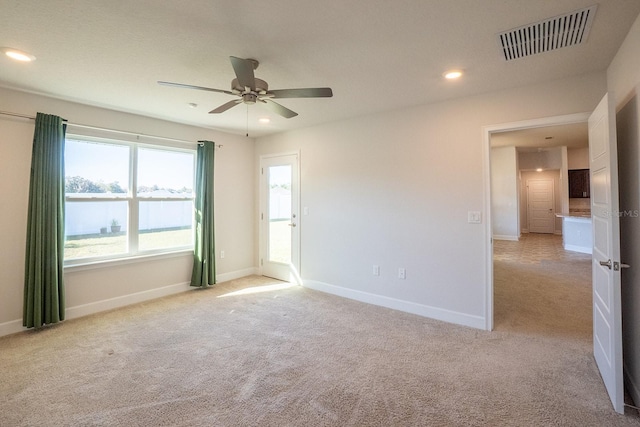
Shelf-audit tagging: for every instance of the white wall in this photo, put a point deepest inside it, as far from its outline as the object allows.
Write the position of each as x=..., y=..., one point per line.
x=90, y=290
x=546, y=159
x=504, y=193
x=578, y=158
x=394, y=189
x=623, y=79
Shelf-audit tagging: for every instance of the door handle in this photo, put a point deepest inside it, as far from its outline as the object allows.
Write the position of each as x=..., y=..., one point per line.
x=616, y=265
x=606, y=264
x=293, y=224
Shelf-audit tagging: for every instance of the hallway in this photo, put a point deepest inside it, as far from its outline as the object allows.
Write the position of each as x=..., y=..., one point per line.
x=541, y=288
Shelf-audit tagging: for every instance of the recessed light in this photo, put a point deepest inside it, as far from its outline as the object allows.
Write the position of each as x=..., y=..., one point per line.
x=539, y=170
x=193, y=105
x=452, y=74
x=17, y=55
x=264, y=120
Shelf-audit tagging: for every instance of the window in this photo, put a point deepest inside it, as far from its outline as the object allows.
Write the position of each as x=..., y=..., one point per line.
x=126, y=199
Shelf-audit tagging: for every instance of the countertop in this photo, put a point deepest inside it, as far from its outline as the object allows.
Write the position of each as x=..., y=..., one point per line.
x=576, y=215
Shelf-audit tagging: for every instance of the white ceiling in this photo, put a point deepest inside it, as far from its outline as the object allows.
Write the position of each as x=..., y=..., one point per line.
x=574, y=135
x=376, y=55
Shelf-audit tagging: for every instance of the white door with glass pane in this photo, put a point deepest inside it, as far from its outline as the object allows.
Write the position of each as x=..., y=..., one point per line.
x=279, y=218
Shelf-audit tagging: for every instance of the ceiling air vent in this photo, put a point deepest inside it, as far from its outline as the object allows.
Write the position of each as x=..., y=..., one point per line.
x=551, y=34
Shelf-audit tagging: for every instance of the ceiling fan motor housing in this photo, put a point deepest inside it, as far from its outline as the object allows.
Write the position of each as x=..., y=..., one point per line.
x=249, y=98
x=261, y=86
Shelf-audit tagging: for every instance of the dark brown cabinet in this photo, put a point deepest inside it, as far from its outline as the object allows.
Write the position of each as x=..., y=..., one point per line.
x=579, y=183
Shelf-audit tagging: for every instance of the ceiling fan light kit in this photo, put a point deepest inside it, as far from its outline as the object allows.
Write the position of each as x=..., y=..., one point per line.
x=252, y=90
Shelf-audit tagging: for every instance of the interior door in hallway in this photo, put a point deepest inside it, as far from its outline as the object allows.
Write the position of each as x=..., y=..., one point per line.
x=607, y=305
x=279, y=222
x=540, y=206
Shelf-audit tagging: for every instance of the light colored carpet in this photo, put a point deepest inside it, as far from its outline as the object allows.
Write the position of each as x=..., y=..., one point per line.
x=297, y=357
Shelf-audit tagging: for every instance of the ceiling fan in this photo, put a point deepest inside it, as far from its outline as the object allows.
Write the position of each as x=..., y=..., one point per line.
x=252, y=90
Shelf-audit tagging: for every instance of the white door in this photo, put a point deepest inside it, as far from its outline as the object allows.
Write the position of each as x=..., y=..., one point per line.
x=541, y=201
x=607, y=310
x=279, y=225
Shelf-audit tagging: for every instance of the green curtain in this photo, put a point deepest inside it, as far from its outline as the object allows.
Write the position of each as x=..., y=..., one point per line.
x=43, y=278
x=204, y=260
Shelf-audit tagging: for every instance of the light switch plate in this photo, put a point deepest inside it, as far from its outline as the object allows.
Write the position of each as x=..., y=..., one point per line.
x=474, y=217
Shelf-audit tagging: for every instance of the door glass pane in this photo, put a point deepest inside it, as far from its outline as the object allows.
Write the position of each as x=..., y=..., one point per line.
x=280, y=214
x=165, y=224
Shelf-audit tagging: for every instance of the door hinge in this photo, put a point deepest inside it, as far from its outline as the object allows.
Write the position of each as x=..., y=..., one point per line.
x=261, y=262
x=261, y=215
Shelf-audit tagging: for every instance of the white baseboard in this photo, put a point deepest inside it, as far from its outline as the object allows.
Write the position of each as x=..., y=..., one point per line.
x=14, y=326
x=124, y=300
x=505, y=237
x=401, y=305
x=11, y=327
x=380, y=300
x=225, y=277
x=631, y=386
x=582, y=249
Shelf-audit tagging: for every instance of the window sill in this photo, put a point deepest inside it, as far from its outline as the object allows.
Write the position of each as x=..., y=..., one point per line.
x=92, y=265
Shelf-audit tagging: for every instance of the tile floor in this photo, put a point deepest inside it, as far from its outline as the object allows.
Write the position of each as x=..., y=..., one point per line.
x=533, y=248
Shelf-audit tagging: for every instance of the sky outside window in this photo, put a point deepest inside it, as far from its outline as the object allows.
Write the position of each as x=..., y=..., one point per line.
x=165, y=170
x=109, y=163
x=98, y=163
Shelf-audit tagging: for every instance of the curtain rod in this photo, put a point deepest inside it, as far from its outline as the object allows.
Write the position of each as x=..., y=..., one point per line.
x=25, y=116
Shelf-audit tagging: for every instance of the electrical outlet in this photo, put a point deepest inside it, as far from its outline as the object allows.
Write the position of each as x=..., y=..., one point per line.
x=376, y=270
x=402, y=273
x=221, y=254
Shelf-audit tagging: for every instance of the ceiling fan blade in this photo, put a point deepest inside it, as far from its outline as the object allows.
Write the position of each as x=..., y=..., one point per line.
x=279, y=109
x=312, y=92
x=194, y=87
x=225, y=107
x=244, y=71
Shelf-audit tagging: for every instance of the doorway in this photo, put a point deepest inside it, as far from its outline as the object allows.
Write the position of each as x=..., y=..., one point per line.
x=279, y=218
x=488, y=132
x=602, y=160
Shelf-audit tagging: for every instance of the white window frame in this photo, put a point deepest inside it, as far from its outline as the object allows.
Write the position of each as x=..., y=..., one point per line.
x=133, y=200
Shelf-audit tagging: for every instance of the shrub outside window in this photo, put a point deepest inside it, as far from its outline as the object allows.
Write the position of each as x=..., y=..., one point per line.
x=126, y=199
